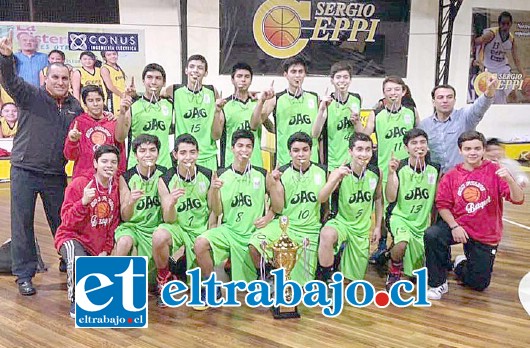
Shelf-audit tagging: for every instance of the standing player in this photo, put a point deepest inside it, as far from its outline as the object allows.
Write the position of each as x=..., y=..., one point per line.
x=114, y=78
x=237, y=115
x=198, y=110
x=90, y=214
x=149, y=114
x=470, y=202
x=238, y=193
x=412, y=185
x=88, y=74
x=294, y=110
x=356, y=189
x=338, y=117
x=184, y=197
x=140, y=203
x=390, y=124
x=299, y=183
x=55, y=56
x=90, y=130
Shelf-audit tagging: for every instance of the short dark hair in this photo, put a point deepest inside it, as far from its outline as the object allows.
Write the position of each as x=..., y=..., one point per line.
x=59, y=52
x=505, y=14
x=358, y=136
x=394, y=79
x=199, y=57
x=145, y=139
x=340, y=66
x=493, y=142
x=289, y=62
x=433, y=92
x=242, y=134
x=6, y=104
x=301, y=137
x=242, y=66
x=87, y=53
x=91, y=88
x=105, y=52
x=414, y=133
x=154, y=67
x=186, y=138
x=471, y=135
x=106, y=148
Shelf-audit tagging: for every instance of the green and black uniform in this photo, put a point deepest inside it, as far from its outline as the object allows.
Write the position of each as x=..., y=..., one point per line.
x=303, y=210
x=294, y=114
x=237, y=116
x=154, y=119
x=243, y=202
x=353, y=200
x=194, y=114
x=192, y=210
x=147, y=213
x=412, y=214
x=338, y=130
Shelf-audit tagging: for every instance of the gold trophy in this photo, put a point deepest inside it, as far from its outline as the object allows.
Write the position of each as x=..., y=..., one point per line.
x=285, y=254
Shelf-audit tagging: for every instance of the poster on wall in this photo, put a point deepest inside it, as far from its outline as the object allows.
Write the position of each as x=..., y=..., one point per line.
x=500, y=45
x=74, y=40
x=372, y=36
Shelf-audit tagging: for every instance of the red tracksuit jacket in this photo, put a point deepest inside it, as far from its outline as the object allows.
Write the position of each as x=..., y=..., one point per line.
x=93, y=134
x=92, y=225
x=475, y=198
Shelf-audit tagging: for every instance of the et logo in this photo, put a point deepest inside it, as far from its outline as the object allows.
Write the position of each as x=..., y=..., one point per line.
x=111, y=292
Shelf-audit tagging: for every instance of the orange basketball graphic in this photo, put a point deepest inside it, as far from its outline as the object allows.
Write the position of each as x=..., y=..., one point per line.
x=282, y=27
x=481, y=82
x=471, y=194
x=102, y=210
x=98, y=138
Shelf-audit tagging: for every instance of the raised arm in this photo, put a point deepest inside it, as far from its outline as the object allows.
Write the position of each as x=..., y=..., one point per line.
x=168, y=199
x=392, y=184
x=333, y=182
x=322, y=115
x=218, y=117
x=123, y=124
x=264, y=107
x=276, y=191
x=214, y=195
x=128, y=199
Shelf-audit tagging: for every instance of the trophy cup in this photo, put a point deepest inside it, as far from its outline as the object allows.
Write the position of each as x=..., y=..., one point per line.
x=285, y=254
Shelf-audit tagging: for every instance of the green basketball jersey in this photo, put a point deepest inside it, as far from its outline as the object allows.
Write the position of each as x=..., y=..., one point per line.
x=390, y=127
x=194, y=113
x=147, y=211
x=338, y=129
x=242, y=197
x=291, y=115
x=353, y=200
x=192, y=208
x=416, y=196
x=154, y=119
x=237, y=116
x=301, y=192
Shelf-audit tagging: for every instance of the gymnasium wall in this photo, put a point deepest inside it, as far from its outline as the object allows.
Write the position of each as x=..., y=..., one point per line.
x=160, y=21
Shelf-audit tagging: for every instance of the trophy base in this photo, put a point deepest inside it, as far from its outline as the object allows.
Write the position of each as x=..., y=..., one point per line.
x=282, y=312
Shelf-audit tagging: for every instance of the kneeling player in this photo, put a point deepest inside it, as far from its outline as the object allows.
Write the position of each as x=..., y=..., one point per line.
x=140, y=203
x=356, y=189
x=90, y=214
x=238, y=193
x=412, y=185
x=298, y=184
x=184, y=197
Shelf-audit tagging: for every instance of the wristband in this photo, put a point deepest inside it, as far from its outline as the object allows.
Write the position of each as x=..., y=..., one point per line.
x=452, y=228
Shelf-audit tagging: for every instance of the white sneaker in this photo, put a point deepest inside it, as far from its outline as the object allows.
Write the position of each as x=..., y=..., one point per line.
x=437, y=292
x=459, y=259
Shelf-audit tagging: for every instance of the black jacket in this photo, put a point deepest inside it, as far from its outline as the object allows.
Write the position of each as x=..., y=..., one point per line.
x=42, y=124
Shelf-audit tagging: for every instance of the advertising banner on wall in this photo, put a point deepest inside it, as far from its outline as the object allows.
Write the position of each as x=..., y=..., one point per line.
x=373, y=36
x=500, y=45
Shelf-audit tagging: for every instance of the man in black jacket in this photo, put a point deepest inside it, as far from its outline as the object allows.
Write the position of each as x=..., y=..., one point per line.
x=37, y=161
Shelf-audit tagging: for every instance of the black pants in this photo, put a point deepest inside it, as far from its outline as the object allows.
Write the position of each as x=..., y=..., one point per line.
x=475, y=272
x=69, y=250
x=25, y=185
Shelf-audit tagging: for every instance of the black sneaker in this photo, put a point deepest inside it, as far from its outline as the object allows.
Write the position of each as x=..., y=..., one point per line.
x=203, y=299
x=62, y=265
x=72, y=310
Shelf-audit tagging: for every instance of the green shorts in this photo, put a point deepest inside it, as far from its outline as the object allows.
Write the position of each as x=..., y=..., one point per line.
x=414, y=257
x=226, y=242
x=179, y=238
x=306, y=266
x=210, y=163
x=354, y=260
x=142, y=240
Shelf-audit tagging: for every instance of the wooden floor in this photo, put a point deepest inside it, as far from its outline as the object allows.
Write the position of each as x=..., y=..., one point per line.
x=464, y=318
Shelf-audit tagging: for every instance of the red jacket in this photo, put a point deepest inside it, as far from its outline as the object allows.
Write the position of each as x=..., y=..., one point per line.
x=475, y=198
x=92, y=225
x=93, y=134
